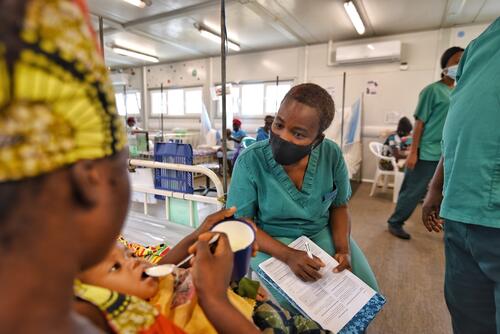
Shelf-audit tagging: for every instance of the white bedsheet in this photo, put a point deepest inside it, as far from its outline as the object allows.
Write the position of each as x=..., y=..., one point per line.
x=150, y=231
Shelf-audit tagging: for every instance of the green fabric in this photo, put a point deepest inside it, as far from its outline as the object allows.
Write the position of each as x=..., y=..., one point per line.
x=472, y=277
x=471, y=139
x=247, y=288
x=270, y=318
x=432, y=109
x=261, y=189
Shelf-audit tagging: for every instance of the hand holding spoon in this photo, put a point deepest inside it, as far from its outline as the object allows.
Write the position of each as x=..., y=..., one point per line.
x=166, y=269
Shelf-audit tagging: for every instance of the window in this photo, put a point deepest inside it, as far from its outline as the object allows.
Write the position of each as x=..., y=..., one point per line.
x=194, y=101
x=177, y=101
x=131, y=105
x=257, y=99
x=274, y=96
x=232, y=102
x=158, y=102
x=252, y=99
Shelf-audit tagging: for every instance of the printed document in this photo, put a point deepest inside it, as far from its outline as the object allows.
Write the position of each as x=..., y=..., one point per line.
x=333, y=300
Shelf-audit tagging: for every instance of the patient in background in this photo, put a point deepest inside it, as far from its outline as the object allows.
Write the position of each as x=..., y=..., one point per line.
x=173, y=295
x=397, y=144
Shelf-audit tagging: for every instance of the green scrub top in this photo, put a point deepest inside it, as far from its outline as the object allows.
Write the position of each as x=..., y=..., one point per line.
x=471, y=138
x=261, y=189
x=432, y=108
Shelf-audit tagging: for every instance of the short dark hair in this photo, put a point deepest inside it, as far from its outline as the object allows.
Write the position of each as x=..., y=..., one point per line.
x=268, y=117
x=450, y=52
x=404, y=126
x=315, y=97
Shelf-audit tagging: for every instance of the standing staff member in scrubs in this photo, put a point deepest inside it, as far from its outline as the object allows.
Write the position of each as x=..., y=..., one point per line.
x=297, y=184
x=471, y=189
x=425, y=150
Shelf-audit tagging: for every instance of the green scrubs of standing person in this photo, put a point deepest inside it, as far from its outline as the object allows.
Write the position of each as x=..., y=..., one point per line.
x=430, y=115
x=297, y=184
x=471, y=203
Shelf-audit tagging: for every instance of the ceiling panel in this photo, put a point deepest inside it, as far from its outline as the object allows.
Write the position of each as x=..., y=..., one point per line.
x=271, y=24
x=325, y=20
x=460, y=12
x=489, y=12
x=121, y=11
x=243, y=25
x=399, y=16
x=132, y=41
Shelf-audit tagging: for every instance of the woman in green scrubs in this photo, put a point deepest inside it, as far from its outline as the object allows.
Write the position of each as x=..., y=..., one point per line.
x=296, y=183
x=430, y=115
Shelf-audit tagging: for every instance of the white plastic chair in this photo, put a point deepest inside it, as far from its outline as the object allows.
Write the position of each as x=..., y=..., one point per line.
x=376, y=149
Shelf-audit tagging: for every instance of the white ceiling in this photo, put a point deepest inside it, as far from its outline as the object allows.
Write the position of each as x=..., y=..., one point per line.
x=167, y=28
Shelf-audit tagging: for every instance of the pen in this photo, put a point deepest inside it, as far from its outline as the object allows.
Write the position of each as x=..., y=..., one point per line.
x=308, y=250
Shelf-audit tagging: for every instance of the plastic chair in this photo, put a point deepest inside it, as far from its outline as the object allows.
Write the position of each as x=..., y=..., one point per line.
x=376, y=149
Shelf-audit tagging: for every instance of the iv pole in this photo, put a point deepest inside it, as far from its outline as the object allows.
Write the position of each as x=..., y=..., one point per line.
x=223, y=50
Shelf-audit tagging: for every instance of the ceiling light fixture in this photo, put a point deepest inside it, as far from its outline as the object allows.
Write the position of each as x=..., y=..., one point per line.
x=356, y=20
x=139, y=3
x=214, y=37
x=134, y=54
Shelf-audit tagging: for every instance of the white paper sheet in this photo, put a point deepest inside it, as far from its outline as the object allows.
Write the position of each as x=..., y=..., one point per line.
x=333, y=300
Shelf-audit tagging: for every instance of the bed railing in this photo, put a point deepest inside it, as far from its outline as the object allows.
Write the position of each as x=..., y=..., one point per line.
x=191, y=198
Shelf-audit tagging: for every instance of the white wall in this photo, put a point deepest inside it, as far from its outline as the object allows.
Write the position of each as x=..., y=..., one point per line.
x=397, y=94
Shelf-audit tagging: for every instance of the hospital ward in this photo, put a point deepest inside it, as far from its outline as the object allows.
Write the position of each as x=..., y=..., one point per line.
x=250, y=166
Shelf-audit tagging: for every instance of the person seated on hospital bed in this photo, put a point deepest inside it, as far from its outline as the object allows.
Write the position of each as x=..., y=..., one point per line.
x=264, y=131
x=132, y=125
x=397, y=144
x=237, y=134
x=174, y=295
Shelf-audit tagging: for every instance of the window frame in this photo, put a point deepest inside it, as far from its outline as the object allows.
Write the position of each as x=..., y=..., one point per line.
x=125, y=94
x=239, y=85
x=184, y=89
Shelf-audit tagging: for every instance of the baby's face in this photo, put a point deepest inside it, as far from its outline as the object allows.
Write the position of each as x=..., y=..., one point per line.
x=122, y=272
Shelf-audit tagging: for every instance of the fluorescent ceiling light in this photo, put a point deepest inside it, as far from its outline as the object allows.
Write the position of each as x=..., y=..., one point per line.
x=217, y=39
x=354, y=16
x=371, y=47
x=138, y=3
x=134, y=54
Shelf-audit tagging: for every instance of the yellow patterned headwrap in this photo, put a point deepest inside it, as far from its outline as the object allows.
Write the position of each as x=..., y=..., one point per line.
x=56, y=101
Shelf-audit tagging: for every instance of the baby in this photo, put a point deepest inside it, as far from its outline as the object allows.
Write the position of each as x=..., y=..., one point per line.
x=173, y=295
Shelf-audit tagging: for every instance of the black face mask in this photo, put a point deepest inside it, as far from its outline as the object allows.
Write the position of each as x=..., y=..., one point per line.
x=287, y=153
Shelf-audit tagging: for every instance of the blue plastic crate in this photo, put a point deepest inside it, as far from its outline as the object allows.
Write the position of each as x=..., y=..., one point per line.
x=170, y=179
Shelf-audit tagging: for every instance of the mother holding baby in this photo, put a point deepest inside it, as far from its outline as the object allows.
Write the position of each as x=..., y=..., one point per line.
x=296, y=183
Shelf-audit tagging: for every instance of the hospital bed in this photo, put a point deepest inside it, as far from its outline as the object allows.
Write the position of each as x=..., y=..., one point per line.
x=147, y=229
x=346, y=132
x=144, y=188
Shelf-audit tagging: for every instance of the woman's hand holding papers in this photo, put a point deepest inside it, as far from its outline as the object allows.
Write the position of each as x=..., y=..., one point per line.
x=344, y=260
